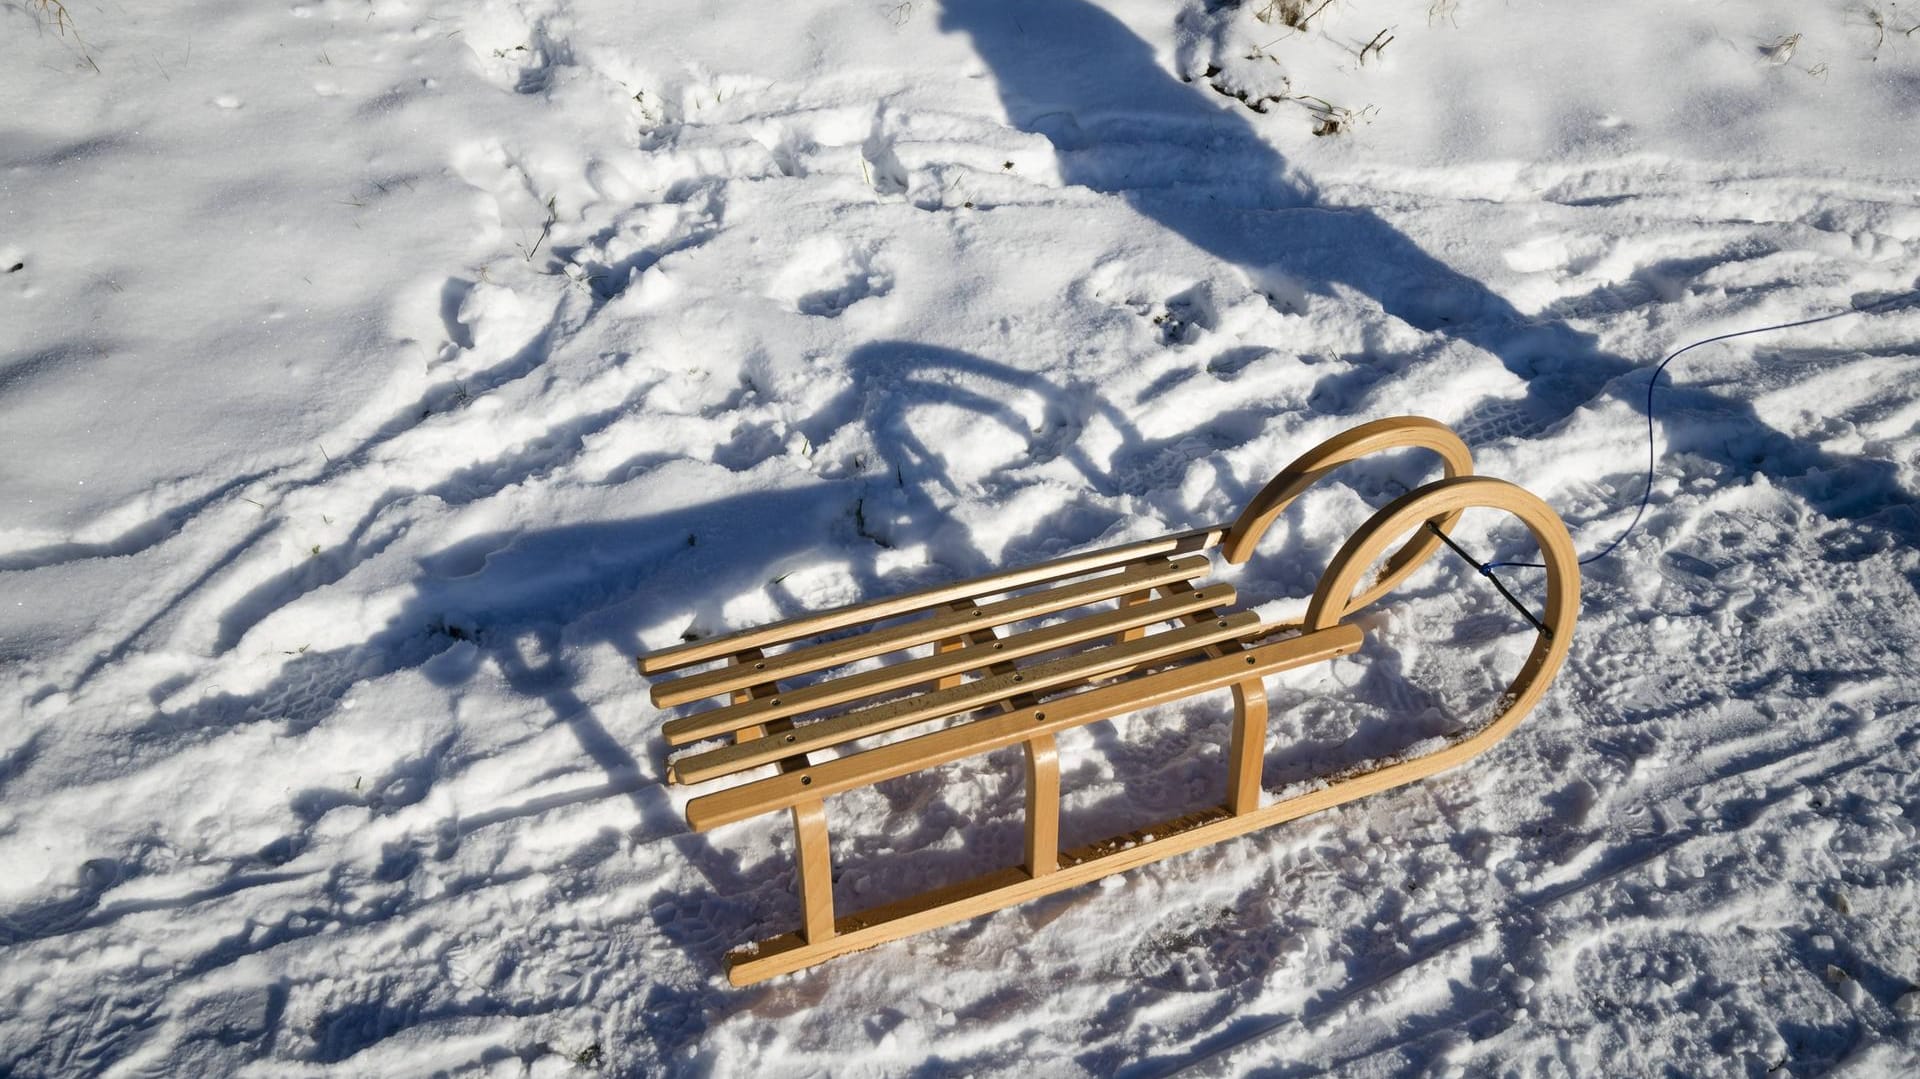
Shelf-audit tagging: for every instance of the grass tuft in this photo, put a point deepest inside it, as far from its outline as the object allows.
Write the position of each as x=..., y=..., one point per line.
x=1295, y=14
x=54, y=13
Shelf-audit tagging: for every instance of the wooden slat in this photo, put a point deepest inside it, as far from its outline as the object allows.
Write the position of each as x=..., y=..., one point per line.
x=1067, y=671
x=827, y=654
x=951, y=663
x=982, y=736
x=792, y=629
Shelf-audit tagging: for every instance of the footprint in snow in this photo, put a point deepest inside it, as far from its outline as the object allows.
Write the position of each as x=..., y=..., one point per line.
x=828, y=276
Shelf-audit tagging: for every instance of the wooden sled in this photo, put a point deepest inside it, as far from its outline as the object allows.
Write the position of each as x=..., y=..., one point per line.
x=971, y=685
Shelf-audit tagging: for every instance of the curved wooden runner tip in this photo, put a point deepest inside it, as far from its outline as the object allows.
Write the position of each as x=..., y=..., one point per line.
x=1333, y=598
x=1392, y=433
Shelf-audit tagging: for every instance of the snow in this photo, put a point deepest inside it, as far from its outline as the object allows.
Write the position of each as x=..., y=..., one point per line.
x=377, y=377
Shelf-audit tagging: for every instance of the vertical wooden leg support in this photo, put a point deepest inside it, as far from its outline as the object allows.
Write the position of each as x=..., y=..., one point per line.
x=1134, y=599
x=1247, y=751
x=954, y=644
x=1043, y=806
x=816, y=870
x=951, y=644
x=752, y=693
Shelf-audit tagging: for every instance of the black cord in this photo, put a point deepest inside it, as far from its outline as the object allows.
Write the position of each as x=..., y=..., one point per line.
x=1646, y=496
x=1487, y=572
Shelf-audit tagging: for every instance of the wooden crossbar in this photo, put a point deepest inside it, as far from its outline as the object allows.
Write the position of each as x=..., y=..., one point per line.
x=949, y=623
x=984, y=735
x=812, y=625
x=1071, y=670
x=789, y=952
x=934, y=668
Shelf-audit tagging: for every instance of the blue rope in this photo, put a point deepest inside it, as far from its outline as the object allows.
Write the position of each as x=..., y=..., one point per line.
x=1646, y=496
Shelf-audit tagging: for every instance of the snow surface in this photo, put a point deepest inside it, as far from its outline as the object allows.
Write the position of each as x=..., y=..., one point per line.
x=378, y=376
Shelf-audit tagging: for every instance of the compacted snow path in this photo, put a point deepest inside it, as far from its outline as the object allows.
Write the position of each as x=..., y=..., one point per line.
x=378, y=376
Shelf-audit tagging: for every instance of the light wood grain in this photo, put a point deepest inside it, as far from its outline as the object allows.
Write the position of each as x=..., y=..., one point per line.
x=1215, y=649
x=1075, y=669
x=949, y=675
x=951, y=663
x=751, y=727
x=1452, y=497
x=1380, y=436
x=879, y=641
x=812, y=625
x=815, y=861
x=1043, y=805
x=1246, y=747
x=1135, y=599
x=1003, y=888
x=985, y=735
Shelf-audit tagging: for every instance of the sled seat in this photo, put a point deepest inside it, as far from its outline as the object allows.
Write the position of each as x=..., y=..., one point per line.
x=794, y=712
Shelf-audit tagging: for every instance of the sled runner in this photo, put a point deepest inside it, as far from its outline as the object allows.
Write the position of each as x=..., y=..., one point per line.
x=1014, y=658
